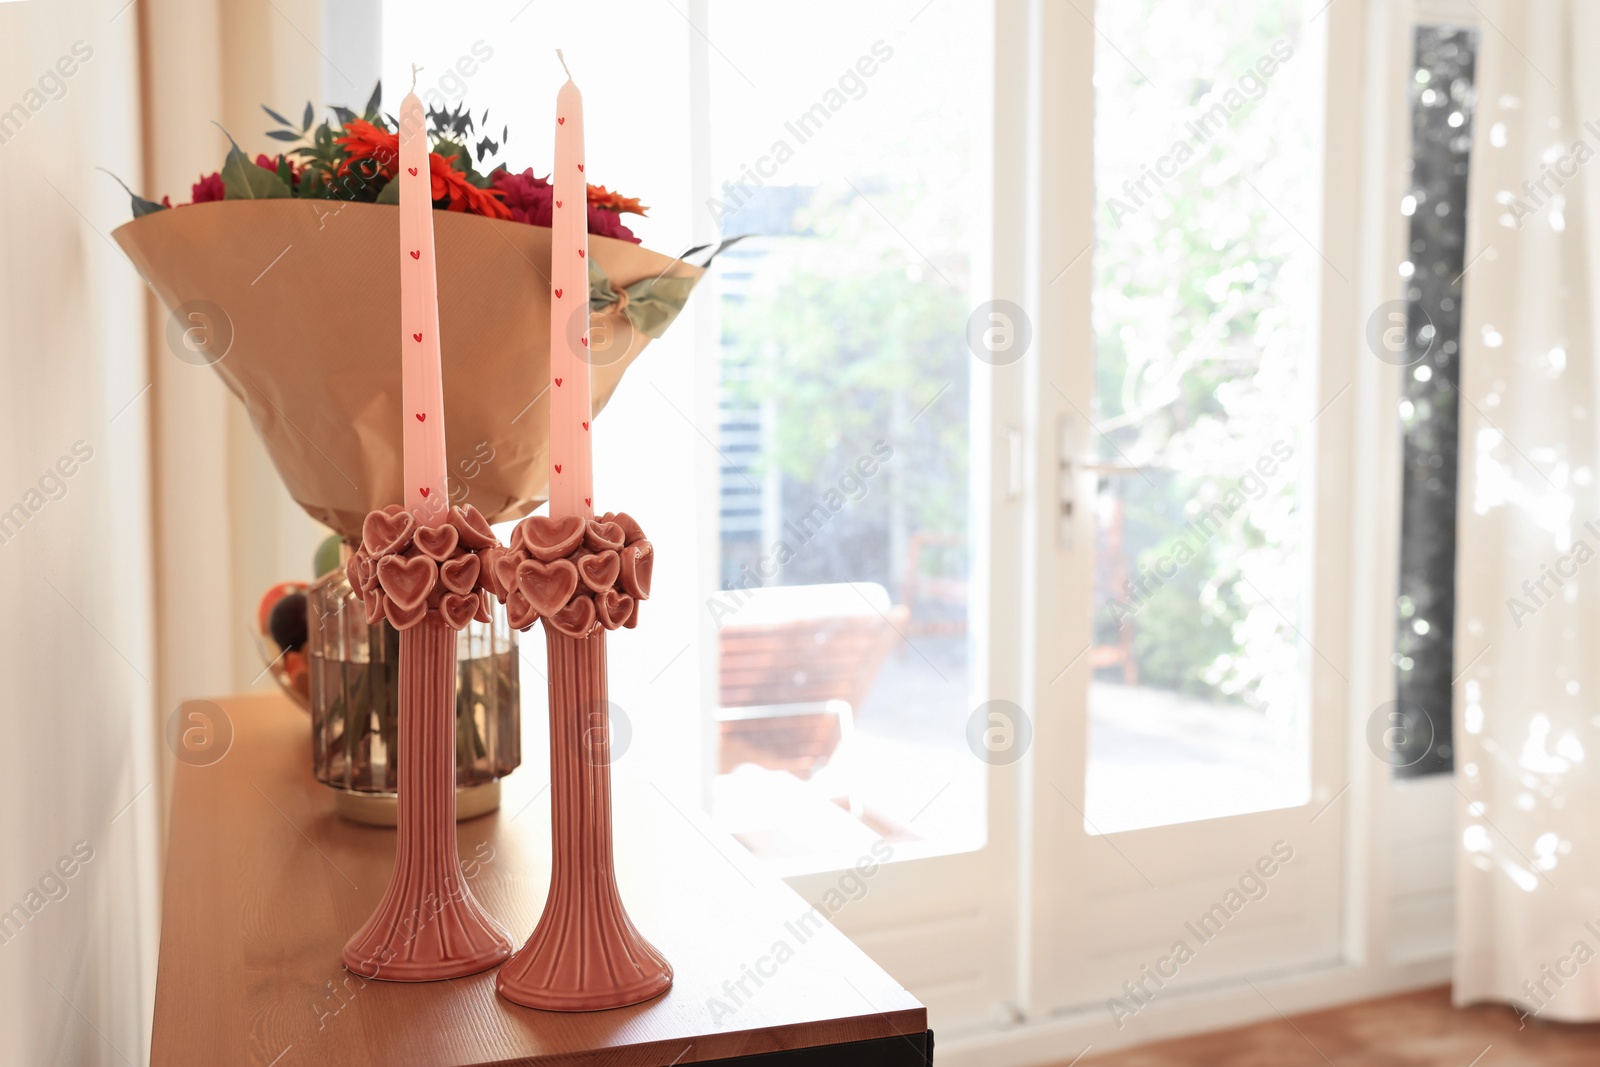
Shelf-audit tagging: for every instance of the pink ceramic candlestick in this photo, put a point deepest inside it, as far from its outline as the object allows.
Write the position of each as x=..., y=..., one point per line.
x=420, y=567
x=571, y=464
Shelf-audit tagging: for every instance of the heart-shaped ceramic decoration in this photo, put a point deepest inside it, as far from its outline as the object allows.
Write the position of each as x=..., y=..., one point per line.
x=407, y=580
x=548, y=586
x=545, y=538
x=574, y=620
x=614, y=608
x=520, y=613
x=603, y=535
x=458, y=610
x=460, y=575
x=401, y=618
x=373, y=604
x=482, y=613
x=472, y=526
x=505, y=571
x=631, y=531
x=437, y=542
x=638, y=564
x=385, y=532
x=599, y=570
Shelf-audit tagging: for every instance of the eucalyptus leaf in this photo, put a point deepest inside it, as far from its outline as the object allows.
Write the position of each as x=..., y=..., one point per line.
x=274, y=114
x=243, y=180
x=306, y=119
x=372, y=101
x=141, y=206
x=283, y=135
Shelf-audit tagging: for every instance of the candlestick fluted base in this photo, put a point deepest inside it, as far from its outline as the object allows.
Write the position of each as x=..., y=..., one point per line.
x=429, y=926
x=585, y=954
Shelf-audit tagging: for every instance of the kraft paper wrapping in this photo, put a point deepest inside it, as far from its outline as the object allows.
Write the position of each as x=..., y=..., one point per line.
x=302, y=299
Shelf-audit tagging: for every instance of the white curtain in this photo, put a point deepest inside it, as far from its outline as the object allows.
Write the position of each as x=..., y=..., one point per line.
x=1528, y=723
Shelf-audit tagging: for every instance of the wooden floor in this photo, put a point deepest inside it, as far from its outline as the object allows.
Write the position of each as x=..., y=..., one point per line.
x=1414, y=1030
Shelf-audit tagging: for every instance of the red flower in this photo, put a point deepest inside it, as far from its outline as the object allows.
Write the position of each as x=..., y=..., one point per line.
x=207, y=189
x=266, y=162
x=527, y=197
x=452, y=185
x=364, y=141
x=606, y=223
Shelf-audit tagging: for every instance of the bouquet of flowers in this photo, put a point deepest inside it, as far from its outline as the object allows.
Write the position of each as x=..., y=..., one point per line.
x=270, y=273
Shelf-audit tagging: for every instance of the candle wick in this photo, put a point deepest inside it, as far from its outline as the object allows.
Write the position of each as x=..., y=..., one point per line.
x=414, y=69
x=563, y=63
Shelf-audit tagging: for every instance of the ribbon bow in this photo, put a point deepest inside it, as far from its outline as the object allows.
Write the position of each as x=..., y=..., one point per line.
x=653, y=303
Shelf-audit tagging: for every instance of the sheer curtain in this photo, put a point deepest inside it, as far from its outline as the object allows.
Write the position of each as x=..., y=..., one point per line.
x=79, y=856
x=1528, y=920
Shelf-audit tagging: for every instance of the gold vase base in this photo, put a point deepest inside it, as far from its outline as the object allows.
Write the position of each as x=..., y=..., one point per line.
x=383, y=809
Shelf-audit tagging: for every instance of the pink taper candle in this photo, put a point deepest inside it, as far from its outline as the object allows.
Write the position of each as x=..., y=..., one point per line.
x=421, y=381
x=571, y=465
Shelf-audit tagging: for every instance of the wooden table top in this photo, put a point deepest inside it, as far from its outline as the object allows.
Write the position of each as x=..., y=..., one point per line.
x=265, y=883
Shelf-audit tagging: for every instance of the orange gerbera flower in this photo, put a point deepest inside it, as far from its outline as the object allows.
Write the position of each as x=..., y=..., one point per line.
x=450, y=184
x=600, y=196
x=365, y=141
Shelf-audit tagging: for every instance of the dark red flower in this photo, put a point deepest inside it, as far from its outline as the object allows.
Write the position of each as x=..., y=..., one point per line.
x=606, y=223
x=207, y=189
x=526, y=196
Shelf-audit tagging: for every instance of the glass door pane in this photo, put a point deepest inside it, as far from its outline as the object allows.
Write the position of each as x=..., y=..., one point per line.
x=853, y=159
x=1207, y=147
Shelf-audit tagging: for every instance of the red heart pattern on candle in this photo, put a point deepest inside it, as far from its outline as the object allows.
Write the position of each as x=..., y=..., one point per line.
x=472, y=526
x=407, y=580
x=417, y=254
x=576, y=620
x=422, y=416
x=599, y=570
x=417, y=337
x=558, y=294
x=614, y=608
x=558, y=468
x=411, y=171
x=580, y=166
x=383, y=533
x=588, y=502
x=582, y=254
x=638, y=564
x=548, y=586
x=561, y=120
x=558, y=203
x=586, y=426
x=424, y=491
x=545, y=538
x=457, y=609
x=585, y=341
x=558, y=382
x=601, y=536
x=460, y=575
x=437, y=542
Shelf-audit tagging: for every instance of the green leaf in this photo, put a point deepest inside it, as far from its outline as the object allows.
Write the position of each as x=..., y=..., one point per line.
x=344, y=115
x=141, y=206
x=283, y=135
x=372, y=102
x=390, y=194
x=243, y=180
x=281, y=120
x=307, y=118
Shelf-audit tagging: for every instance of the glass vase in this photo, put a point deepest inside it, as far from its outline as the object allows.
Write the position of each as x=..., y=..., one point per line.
x=355, y=705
